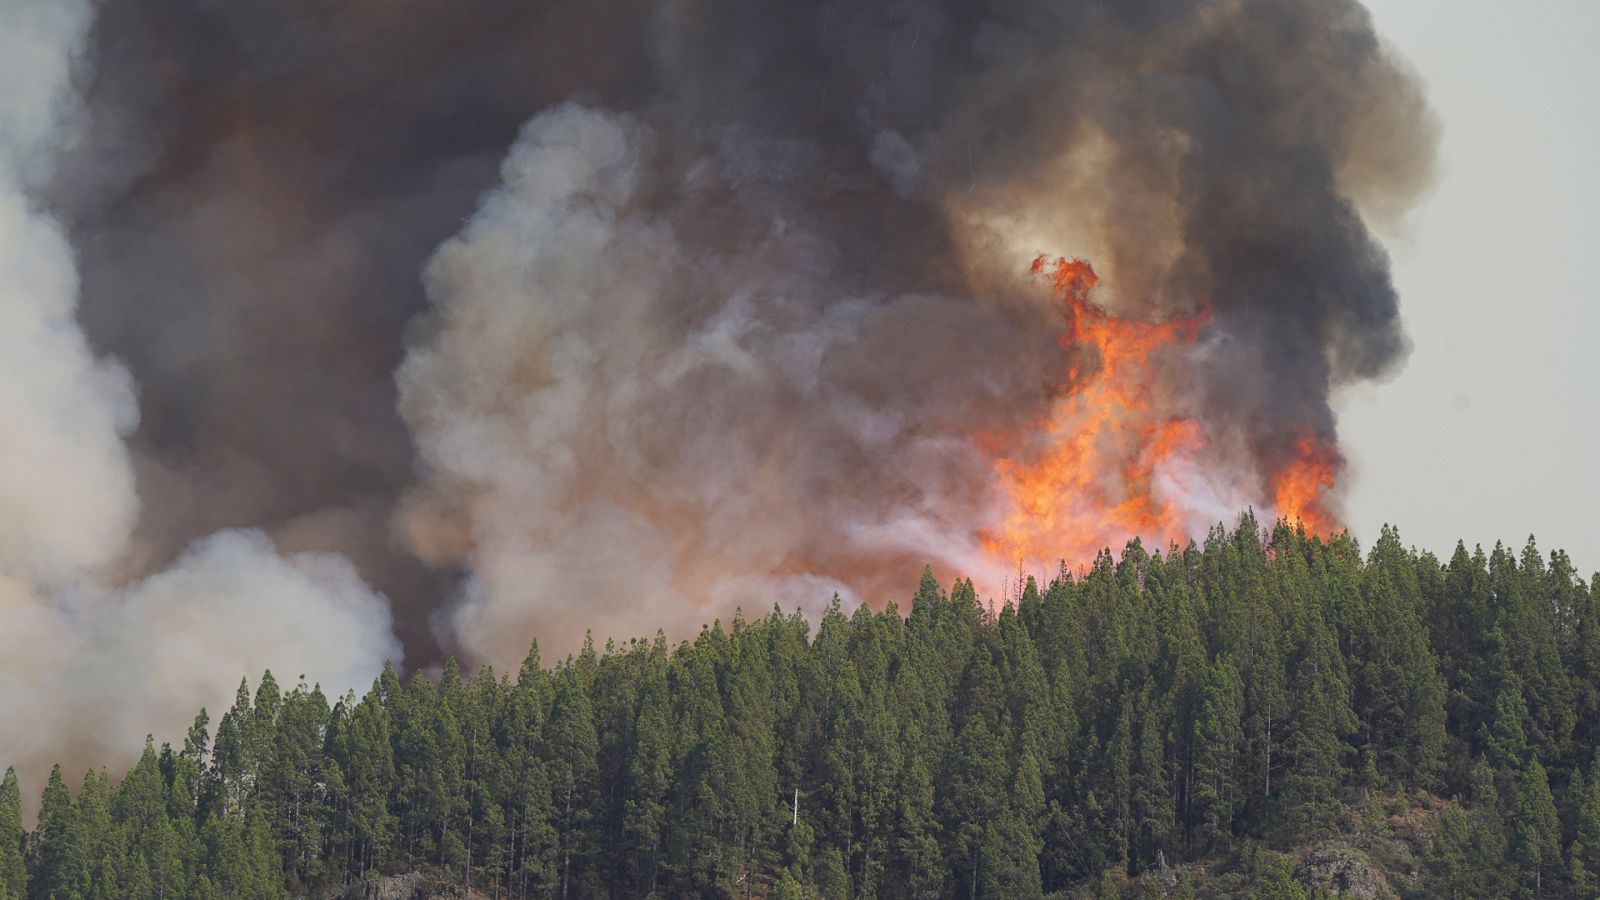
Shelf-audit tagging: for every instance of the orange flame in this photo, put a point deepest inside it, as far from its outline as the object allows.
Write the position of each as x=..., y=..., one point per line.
x=1105, y=444
x=1298, y=487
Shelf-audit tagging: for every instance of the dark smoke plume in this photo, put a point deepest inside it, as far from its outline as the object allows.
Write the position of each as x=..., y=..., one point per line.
x=566, y=314
x=256, y=189
x=732, y=344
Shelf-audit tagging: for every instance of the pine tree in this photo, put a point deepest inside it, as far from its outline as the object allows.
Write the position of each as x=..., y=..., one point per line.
x=1489, y=844
x=1015, y=845
x=976, y=789
x=1469, y=641
x=233, y=759
x=649, y=773
x=787, y=887
x=698, y=858
x=1582, y=648
x=753, y=786
x=419, y=804
x=91, y=859
x=1117, y=766
x=1537, y=844
x=570, y=747
x=1152, y=786
x=1319, y=721
x=833, y=882
x=530, y=827
x=918, y=864
x=448, y=777
x=798, y=844
x=1449, y=866
x=1219, y=735
x=140, y=807
x=293, y=782
x=1397, y=692
x=13, y=871
x=1533, y=645
x=1265, y=723
x=1584, y=854
x=365, y=758
x=55, y=856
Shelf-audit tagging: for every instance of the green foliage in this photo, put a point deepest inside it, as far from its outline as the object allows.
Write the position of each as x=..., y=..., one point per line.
x=1217, y=795
x=1229, y=699
x=13, y=872
x=1270, y=876
x=787, y=887
x=1537, y=842
x=1584, y=853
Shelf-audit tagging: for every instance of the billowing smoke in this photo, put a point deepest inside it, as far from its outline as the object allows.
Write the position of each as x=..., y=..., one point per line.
x=89, y=667
x=89, y=672
x=767, y=331
x=66, y=488
x=617, y=316
x=677, y=386
x=252, y=196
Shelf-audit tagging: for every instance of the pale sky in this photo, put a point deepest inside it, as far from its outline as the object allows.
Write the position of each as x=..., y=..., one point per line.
x=1491, y=429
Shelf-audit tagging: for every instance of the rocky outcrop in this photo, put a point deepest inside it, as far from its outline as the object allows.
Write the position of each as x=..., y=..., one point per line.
x=409, y=886
x=1340, y=869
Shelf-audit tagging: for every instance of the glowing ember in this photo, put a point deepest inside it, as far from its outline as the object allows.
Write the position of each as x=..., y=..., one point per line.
x=1092, y=475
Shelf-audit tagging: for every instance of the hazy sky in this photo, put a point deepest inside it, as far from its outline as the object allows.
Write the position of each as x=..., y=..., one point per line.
x=1491, y=430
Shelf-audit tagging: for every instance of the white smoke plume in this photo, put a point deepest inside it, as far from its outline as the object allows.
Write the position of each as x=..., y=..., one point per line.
x=89, y=671
x=554, y=290
x=628, y=426
x=66, y=487
x=87, y=668
x=607, y=462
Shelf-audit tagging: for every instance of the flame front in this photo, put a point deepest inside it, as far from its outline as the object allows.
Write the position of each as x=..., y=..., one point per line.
x=1094, y=472
x=1299, y=487
x=1116, y=457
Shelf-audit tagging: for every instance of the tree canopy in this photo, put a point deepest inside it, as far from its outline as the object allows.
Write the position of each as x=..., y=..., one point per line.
x=1236, y=695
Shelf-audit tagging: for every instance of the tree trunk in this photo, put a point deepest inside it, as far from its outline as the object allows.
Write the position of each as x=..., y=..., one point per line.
x=566, y=848
x=1268, y=754
x=972, y=892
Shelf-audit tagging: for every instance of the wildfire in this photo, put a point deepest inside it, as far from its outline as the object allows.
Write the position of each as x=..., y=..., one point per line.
x=1112, y=460
x=1298, y=488
x=1106, y=444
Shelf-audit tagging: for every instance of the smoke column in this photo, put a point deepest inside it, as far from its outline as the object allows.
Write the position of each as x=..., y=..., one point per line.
x=534, y=318
x=88, y=665
x=770, y=331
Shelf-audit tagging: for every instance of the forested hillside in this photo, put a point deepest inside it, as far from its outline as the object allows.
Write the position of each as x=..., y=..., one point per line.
x=1215, y=703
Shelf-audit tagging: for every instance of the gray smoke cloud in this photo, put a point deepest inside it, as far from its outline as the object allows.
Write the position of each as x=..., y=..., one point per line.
x=87, y=665
x=627, y=416
x=736, y=343
x=562, y=315
x=252, y=197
